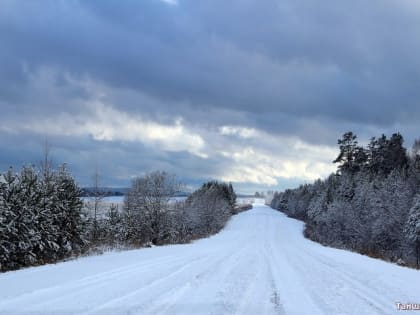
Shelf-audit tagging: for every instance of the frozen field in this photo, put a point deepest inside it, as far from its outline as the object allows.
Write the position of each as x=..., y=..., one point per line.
x=118, y=202
x=259, y=264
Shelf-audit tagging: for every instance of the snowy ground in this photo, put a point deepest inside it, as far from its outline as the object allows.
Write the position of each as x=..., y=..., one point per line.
x=259, y=264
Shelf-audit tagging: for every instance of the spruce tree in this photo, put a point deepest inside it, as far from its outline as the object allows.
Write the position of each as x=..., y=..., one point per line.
x=68, y=213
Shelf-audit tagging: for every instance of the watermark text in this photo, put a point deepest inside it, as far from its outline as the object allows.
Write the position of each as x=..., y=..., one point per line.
x=408, y=306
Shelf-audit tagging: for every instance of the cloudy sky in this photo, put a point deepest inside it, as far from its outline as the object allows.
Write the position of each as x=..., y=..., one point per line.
x=248, y=91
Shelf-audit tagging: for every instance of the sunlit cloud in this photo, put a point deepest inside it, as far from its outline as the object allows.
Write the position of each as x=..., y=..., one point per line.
x=254, y=165
x=105, y=123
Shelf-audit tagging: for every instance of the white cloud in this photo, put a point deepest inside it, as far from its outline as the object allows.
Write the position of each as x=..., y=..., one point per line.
x=269, y=158
x=255, y=166
x=113, y=125
x=242, y=132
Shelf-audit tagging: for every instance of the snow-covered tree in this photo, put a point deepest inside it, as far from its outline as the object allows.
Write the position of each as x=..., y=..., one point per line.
x=208, y=208
x=113, y=226
x=9, y=214
x=67, y=213
x=365, y=206
x=147, y=204
x=412, y=231
x=39, y=217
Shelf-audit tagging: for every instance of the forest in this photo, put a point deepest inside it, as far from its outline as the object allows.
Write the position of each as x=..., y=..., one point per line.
x=44, y=220
x=371, y=205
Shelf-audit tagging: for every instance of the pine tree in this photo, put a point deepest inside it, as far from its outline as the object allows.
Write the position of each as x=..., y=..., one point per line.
x=348, y=148
x=40, y=217
x=9, y=204
x=19, y=234
x=49, y=247
x=30, y=200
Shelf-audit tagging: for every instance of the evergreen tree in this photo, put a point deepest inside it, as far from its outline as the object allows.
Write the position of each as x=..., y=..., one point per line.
x=9, y=207
x=385, y=155
x=369, y=206
x=68, y=214
x=26, y=222
x=412, y=230
x=48, y=227
x=39, y=217
x=348, y=148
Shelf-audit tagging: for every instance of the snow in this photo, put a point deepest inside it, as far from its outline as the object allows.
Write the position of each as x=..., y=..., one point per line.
x=107, y=200
x=259, y=264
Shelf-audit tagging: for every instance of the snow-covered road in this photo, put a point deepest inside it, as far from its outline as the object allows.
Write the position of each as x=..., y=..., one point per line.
x=259, y=264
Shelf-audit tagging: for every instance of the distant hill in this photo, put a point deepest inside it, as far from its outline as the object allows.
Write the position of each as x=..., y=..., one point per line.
x=106, y=191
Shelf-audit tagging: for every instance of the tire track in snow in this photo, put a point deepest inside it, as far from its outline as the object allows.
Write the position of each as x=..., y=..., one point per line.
x=117, y=301
x=79, y=287
x=335, y=281
x=367, y=294
x=213, y=272
x=291, y=288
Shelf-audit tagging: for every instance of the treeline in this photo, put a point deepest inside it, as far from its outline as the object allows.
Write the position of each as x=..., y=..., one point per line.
x=43, y=219
x=105, y=192
x=152, y=217
x=371, y=205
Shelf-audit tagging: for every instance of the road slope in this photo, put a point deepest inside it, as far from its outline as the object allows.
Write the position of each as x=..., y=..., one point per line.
x=259, y=264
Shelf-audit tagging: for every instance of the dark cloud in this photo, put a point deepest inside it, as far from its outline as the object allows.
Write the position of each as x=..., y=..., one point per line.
x=292, y=69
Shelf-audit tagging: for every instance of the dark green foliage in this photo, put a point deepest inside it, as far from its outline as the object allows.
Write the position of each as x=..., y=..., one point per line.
x=381, y=156
x=349, y=151
x=384, y=154
x=67, y=208
x=40, y=218
x=223, y=190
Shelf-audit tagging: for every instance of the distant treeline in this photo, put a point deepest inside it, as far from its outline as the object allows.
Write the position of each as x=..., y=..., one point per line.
x=43, y=219
x=116, y=192
x=371, y=205
x=105, y=192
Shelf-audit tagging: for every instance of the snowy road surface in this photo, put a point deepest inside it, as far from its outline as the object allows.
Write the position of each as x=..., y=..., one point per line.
x=259, y=264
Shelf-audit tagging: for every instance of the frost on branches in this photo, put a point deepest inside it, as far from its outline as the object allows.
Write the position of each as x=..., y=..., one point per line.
x=371, y=205
x=40, y=217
